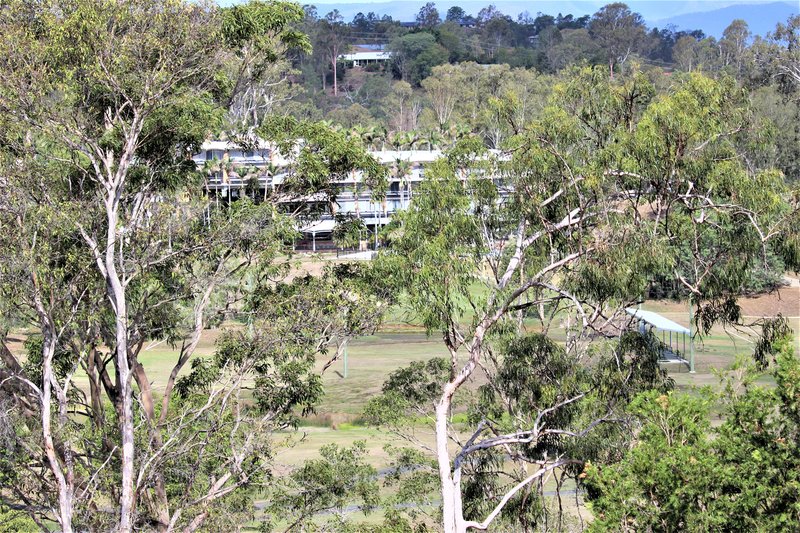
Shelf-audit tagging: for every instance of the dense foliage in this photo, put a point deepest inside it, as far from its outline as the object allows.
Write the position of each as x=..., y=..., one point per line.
x=613, y=187
x=682, y=474
x=111, y=247
x=449, y=94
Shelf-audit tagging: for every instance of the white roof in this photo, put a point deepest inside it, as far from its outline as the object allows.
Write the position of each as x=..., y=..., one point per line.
x=417, y=156
x=229, y=145
x=412, y=156
x=364, y=56
x=657, y=321
x=385, y=157
x=320, y=226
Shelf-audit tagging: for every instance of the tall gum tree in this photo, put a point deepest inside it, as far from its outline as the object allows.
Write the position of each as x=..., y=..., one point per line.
x=332, y=41
x=611, y=188
x=104, y=104
x=619, y=31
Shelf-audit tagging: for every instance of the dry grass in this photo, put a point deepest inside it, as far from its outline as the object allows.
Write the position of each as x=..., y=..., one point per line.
x=372, y=358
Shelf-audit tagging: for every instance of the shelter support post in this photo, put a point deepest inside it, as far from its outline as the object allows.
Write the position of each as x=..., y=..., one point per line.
x=345, y=359
x=691, y=337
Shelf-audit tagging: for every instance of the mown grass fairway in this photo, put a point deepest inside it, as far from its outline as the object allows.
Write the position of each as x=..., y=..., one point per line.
x=370, y=360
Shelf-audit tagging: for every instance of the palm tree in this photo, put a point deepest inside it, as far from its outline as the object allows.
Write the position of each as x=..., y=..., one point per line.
x=400, y=171
x=379, y=137
x=422, y=140
x=413, y=139
x=268, y=171
x=434, y=139
x=226, y=166
x=404, y=140
x=459, y=131
x=363, y=133
x=212, y=166
x=393, y=139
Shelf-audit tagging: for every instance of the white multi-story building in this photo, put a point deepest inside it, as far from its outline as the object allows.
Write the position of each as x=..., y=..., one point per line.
x=233, y=172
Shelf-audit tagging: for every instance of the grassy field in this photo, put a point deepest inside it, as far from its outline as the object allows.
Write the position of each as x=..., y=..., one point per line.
x=370, y=360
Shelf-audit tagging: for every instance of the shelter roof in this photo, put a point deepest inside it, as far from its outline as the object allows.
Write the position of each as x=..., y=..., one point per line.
x=320, y=226
x=657, y=321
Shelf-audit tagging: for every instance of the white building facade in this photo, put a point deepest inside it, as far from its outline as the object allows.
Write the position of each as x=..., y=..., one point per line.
x=232, y=172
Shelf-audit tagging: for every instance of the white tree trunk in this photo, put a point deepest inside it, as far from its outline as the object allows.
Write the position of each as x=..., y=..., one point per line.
x=116, y=293
x=64, y=483
x=450, y=478
x=65, y=493
x=334, y=61
x=449, y=511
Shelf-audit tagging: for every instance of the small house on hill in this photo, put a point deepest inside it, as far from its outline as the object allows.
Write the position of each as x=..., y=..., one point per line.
x=362, y=59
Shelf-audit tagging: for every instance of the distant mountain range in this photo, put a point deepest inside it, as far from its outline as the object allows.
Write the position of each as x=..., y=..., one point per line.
x=711, y=16
x=761, y=18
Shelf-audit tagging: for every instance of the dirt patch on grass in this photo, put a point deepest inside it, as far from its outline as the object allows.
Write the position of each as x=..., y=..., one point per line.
x=784, y=301
x=16, y=344
x=310, y=263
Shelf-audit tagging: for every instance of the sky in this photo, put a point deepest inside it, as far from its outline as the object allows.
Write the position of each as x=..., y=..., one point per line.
x=684, y=14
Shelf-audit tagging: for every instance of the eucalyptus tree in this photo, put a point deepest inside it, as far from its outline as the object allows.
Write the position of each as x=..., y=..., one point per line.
x=733, y=45
x=788, y=35
x=781, y=56
x=428, y=16
x=611, y=188
x=466, y=94
x=685, y=53
x=260, y=46
x=47, y=283
x=326, y=485
x=103, y=105
x=782, y=113
x=517, y=99
x=332, y=41
x=569, y=47
x=403, y=108
x=456, y=14
x=415, y=54
x=110, y=246
x=619, y=31
x=739, y=474
x=441, y=88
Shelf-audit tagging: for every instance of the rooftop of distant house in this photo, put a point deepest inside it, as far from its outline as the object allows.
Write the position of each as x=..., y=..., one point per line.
x=364, y=47
x=366, y=56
